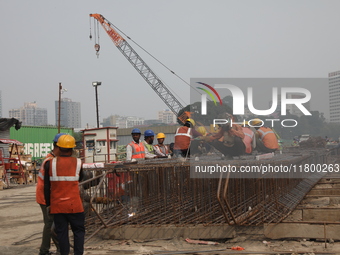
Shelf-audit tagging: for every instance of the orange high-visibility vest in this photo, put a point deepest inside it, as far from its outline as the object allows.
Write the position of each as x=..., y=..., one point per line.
x=182, y=138
x=248, y=139
x=138, y=150
x=163, y=149
x=268, y=138
x=64, y=178
x=39, y=191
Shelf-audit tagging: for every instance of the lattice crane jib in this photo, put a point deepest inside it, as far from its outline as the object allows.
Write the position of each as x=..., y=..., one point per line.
x=138, y=63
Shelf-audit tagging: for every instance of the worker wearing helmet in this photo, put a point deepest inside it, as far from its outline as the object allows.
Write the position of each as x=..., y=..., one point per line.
x=135, y=149
x=266, y=140
x=183, y=139
x=149, y=136
x=161, y=149
x=62, y=195
x=40, y=198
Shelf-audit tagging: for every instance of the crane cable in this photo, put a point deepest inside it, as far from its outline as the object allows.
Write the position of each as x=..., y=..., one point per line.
x=154, y=58
x=96, y=35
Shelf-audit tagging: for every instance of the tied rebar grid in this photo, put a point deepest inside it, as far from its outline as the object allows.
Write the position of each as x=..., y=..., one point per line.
x=163, y=193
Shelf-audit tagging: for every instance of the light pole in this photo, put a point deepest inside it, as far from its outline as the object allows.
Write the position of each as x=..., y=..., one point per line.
x=61, y=90
x=95, y=84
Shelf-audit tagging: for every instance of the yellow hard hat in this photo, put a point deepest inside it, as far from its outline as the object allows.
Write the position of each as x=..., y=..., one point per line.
x=256, y=122
x=191, y=121
x=66, y=141
x=202, y=130
x=160, y=135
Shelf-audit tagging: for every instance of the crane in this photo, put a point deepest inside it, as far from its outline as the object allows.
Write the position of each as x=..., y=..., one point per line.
x=138, y=63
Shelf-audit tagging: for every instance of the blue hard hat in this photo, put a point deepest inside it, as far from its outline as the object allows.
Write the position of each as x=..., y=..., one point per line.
x=135, y=131
x=57, y=137
x=149, y=132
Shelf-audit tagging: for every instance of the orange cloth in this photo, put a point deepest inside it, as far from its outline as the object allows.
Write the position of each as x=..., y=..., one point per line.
x=39, y=192
x=268, y=138
x=64, y=178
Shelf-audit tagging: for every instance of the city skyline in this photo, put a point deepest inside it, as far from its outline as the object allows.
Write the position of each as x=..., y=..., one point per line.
x=234, y=39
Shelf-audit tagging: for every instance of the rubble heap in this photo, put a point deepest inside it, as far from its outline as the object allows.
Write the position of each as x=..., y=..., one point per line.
x=313, y=142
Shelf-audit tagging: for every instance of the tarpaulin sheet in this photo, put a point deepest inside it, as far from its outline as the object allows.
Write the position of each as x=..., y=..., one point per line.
x=6, y=123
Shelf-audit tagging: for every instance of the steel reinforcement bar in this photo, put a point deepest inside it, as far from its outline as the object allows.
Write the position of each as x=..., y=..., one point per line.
x=163, y=192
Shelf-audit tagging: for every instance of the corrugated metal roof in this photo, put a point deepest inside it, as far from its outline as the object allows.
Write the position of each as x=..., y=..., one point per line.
x=158, y=129
x=124, y=134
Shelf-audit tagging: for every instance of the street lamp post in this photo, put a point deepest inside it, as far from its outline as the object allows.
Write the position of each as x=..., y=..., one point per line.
x=95, y=84
x=61, y=90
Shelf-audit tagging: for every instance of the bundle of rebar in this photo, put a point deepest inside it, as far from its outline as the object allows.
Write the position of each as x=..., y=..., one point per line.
x=164, y=192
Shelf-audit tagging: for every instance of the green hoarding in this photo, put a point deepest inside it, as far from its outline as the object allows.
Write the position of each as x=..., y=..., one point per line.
x=37, y=140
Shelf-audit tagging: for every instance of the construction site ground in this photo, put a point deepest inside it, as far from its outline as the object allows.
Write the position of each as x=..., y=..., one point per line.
x=21, y=229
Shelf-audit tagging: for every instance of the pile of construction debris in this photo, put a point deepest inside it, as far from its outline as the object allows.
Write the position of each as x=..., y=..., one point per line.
x=313, y=142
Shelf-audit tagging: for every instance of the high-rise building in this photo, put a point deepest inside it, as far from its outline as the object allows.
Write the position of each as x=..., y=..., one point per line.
x=129, y=121
x=30, y=115
x=334, y=96
x=70, y=114
x=122, y=121
x=167, y=116
x=110, y=121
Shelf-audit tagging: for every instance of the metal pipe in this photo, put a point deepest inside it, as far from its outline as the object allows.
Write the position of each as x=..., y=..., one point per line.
x=59, y=102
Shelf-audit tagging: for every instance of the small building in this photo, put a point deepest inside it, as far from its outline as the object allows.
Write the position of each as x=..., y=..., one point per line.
x=100, y=144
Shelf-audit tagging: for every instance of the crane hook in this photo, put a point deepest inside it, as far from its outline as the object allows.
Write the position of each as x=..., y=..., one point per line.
x=97, y=47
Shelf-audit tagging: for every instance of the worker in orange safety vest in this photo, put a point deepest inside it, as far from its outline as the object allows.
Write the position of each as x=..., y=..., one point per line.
x=40, y=198
x=249, y=139
x=135, y=149
x=161, y=149
x=266, y=140
x=62, y=195
x=183, y=139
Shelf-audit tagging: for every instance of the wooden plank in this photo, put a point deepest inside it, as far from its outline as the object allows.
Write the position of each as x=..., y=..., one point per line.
x=146, y=232
x=321, y=214
x=324, y=192
x=300, y=230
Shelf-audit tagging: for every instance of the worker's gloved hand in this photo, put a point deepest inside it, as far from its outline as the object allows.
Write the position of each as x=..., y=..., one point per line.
x=48, y=209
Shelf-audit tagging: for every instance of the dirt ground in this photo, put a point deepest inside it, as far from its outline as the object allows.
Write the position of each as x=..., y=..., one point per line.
x=21, y=227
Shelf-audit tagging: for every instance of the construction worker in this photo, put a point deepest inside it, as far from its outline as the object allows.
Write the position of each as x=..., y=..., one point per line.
x=62, y=195
x=40, y=198
x=228, y=140
x=135, y=149
x=266, y=140
x=161, y=149
x=149, y=136
x=249, y=139
x=203, y=146
x=183, y=139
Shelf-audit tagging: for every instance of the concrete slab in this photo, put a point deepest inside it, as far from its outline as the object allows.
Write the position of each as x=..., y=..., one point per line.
x=322, y=214
x=302, y=230
x=146, y=232
x=324, y=192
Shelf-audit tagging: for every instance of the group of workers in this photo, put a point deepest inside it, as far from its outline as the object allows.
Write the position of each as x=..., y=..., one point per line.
x=58, y=195
x=230, y=139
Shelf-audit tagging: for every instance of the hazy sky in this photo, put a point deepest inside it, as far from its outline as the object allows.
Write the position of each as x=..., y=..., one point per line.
x=47, y=42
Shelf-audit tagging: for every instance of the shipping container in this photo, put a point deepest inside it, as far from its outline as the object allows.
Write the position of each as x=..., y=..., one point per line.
x=38, y=141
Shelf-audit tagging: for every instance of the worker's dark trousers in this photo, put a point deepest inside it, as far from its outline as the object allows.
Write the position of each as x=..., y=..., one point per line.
x=261, y=148
x=236, y=150
x=46, y=236
x=77, y=222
